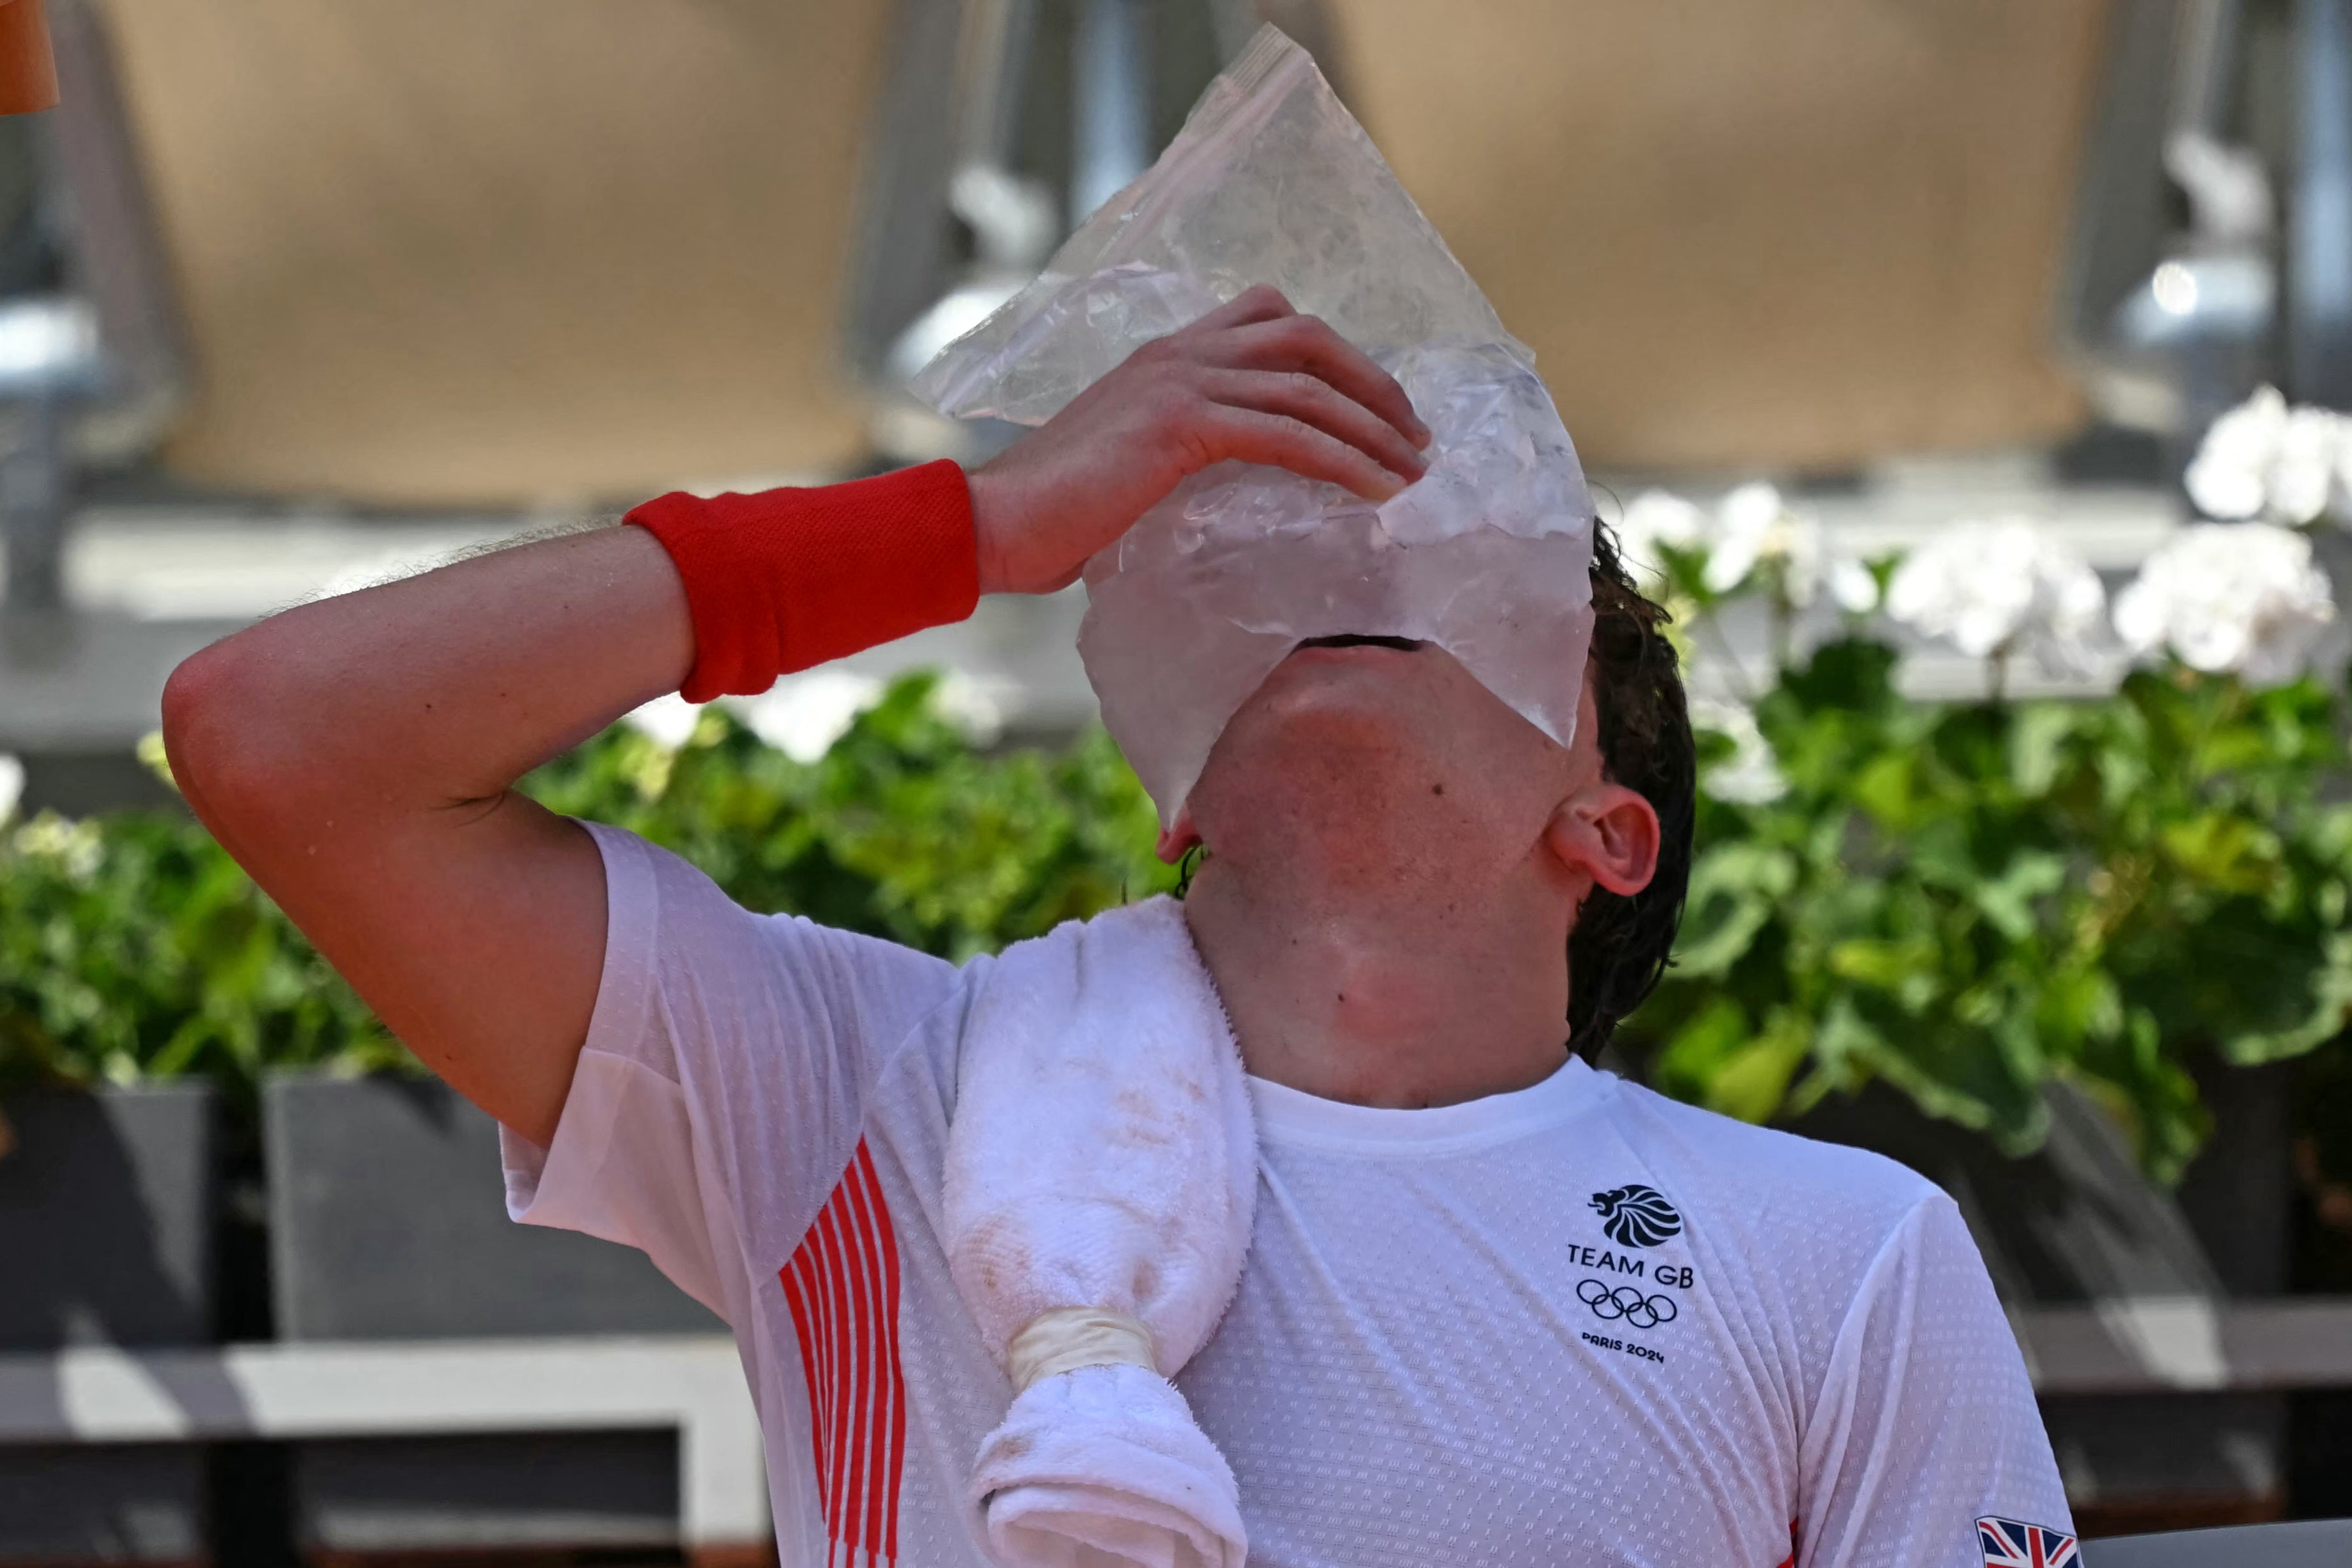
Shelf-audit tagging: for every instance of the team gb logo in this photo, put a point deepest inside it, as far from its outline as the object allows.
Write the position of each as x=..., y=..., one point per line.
x=1637, y=1216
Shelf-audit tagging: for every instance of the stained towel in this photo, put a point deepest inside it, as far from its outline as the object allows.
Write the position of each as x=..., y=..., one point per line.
x=1101, y=1177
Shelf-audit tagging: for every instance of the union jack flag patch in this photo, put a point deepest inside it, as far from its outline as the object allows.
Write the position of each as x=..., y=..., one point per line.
x=2008, y=1545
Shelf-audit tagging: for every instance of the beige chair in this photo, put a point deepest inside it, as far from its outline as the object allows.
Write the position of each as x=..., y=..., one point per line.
x=497, y=252
x=1799, y=234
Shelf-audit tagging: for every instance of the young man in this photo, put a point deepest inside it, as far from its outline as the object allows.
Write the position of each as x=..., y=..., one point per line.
x=1501, y=1308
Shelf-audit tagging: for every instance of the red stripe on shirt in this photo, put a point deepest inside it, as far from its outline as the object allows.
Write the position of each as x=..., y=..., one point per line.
x=842, y=1286
x=796, y=1298
x=848, y=1377
x=864, y=1477
x=871, y=1445
x=896, y=1457
x=824, y=1259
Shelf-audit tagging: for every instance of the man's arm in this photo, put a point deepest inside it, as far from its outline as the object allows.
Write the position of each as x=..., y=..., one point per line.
x=358, y=756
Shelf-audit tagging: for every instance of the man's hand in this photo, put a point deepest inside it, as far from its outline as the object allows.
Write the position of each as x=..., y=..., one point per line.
x=1253, y=381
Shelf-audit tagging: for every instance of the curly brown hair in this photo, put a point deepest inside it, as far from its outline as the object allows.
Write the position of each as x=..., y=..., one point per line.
x=1622, y=942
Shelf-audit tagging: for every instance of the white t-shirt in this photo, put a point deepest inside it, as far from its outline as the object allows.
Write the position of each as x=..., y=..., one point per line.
x=1576, y=1325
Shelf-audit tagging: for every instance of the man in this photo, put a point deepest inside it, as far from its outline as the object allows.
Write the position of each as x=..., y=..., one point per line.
x=1501, y=1308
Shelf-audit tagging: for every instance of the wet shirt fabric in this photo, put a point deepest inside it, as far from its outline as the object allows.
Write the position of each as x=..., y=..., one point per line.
x=1576, y=1325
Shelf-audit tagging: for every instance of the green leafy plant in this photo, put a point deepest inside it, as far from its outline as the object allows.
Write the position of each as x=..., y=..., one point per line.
x=902, y=829
x=132, y=947
x=1968, y=900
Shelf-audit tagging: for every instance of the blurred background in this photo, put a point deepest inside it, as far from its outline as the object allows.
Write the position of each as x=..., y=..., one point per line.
x=1972, y=376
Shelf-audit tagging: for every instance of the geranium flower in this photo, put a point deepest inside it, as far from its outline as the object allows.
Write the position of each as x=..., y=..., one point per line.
x=803, y=716
x=2239, y=597
x=668, y=721
x=1656, y=518
x=2266, y=459
x=1999, y=585
x=1754, y=528
x=1751, y=774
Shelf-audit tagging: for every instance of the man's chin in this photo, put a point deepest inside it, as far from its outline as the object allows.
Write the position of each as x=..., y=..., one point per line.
x=1331, y=724
x=1320, y=743
x=1314, y=701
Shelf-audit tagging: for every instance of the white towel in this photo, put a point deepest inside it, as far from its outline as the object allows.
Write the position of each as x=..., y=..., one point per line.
x=1102, y=1157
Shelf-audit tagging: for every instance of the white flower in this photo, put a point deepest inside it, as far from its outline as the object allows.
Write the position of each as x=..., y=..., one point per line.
x=1999, y=585
x=803, y=716
x=12, y=785
x=78, y=847
x=2229, y=475
x=1750, y=532
x=2242, y=597
x=2303, y=474
x=2265, y=458
x=1853, y=586
x=1754, y=528
x=668, y=722
x=1751, y=774
x=1657, y=518
x=975, y=704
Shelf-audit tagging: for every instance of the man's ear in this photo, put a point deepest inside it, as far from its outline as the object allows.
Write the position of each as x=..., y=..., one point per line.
x=1179, y=836
x=1609, y=833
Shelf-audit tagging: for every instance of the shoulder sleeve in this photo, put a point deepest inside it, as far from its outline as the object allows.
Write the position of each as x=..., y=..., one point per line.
x=724, y=1078
x=1926, y=1421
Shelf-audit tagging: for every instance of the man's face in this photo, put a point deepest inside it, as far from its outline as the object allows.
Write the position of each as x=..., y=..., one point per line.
x=1388, y=763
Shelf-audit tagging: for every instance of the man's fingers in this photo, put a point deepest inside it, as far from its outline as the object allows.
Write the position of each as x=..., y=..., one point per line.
x=1263, y=302
x=1309, y=343
x=1314, y=401
x=1259, y=330
x=1281, y=441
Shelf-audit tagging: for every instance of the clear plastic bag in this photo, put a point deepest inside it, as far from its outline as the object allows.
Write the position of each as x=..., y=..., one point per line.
x=1487, y=554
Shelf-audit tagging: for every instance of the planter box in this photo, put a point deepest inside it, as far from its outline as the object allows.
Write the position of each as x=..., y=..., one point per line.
x=388, y=1221
x=106, y=1237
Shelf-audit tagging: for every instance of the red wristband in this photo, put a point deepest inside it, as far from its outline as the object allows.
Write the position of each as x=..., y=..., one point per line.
x=787, y=579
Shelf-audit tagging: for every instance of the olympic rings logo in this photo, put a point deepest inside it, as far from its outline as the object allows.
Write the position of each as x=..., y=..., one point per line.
x=1624, y=1302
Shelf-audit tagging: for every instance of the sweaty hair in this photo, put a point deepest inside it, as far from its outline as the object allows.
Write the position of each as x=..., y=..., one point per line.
x=1621, y=942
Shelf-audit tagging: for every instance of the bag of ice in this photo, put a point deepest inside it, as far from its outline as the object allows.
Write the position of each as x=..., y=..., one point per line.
x=1487, y=554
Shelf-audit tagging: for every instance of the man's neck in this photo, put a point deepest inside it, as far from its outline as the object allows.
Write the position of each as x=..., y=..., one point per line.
x=1413, y=999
